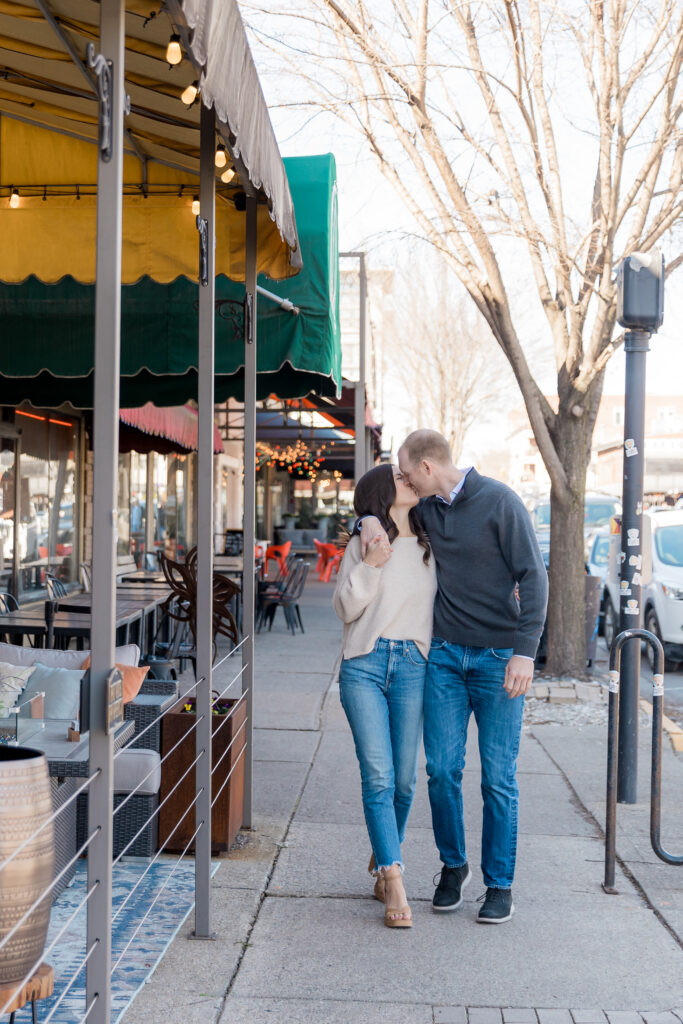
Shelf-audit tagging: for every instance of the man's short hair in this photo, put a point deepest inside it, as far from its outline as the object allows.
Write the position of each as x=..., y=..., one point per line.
x=427, y=444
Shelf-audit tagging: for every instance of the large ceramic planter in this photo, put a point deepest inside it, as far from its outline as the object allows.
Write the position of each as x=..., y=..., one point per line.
x=25, y=804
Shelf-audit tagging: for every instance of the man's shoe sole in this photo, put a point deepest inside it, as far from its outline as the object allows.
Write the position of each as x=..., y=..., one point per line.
x=446, y=910
x=496, y=920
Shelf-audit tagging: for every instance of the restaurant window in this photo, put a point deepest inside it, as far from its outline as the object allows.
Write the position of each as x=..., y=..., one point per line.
x=132, y=517
x=171, y=530
x=172, y=487
x=48, y=529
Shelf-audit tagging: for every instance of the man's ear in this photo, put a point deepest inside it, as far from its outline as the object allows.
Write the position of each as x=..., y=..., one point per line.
x=426, y=467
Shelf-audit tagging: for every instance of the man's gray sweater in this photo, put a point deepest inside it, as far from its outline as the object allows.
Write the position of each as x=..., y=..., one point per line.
x=484, y=545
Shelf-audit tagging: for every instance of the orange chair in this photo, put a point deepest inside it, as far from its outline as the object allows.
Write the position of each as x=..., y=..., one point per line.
x=319, y=547
x=278, y=553
x=328, y=551
x=333, y=562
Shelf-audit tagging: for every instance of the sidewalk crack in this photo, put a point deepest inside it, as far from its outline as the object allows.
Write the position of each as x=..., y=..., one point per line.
x=589, y=816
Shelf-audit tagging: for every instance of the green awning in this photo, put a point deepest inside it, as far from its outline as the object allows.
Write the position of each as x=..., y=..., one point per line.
x=46, y=330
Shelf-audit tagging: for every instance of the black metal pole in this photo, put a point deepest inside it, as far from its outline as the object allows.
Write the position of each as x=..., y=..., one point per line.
x=636, y=346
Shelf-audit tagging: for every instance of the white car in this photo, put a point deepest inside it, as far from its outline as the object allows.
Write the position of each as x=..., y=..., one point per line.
x=662, y=582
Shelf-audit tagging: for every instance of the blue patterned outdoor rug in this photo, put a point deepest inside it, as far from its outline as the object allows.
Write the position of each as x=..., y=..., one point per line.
x=174, y=903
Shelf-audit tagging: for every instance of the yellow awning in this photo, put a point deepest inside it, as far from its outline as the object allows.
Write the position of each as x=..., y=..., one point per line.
x=48, y=136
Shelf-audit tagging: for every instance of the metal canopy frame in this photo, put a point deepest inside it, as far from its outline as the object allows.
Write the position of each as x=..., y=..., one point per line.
x=106, y=425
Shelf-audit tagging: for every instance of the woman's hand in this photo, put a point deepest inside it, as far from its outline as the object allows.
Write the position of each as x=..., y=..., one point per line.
x=378, y=551
x=371, y=529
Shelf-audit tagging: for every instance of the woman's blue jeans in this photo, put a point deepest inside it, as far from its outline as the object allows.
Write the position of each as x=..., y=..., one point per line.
x=382, y=694
x=462, y=680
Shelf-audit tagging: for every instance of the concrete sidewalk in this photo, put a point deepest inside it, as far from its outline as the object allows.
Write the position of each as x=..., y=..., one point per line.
x=301, y=941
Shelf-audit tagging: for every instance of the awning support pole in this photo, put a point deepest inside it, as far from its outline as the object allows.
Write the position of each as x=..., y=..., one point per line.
x=105, y=503
x=360, y=464
x=249, y=581
x=206, y=225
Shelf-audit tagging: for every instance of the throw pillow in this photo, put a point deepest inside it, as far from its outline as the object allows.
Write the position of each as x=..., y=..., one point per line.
x=13, y=679
x=62, y=688
x=133, y=678
x=14, y=655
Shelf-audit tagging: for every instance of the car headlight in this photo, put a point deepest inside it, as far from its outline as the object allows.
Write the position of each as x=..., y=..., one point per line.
x=675, y=593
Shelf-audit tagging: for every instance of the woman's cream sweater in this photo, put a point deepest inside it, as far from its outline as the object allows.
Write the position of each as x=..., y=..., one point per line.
x=395, y=601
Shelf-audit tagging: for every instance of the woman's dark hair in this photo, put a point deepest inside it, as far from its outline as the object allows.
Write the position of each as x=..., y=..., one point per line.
x=375, y=494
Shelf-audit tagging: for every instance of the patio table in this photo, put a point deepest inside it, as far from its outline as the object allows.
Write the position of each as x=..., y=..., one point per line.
x=141, y=604
x=67, y=625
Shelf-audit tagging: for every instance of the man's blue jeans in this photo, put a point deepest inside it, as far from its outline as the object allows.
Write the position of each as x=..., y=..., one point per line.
x=382, y=694
x=461, y=680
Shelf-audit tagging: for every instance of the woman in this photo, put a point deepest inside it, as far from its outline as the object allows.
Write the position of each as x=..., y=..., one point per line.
x=385, y=602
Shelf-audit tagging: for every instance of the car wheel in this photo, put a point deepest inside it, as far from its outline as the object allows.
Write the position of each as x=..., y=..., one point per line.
x=652, y=625
x=611, y=627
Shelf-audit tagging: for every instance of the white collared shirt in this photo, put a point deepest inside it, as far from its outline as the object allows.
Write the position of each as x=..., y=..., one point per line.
x=457, y=489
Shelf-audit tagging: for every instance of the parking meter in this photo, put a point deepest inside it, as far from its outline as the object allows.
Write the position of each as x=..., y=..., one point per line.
x=640, y=309
x=640, y=291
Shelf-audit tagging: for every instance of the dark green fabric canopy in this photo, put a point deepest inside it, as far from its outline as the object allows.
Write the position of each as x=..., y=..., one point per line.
x=46, y=331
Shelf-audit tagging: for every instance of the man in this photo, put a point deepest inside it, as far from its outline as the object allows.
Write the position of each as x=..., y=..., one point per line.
x=488, y=618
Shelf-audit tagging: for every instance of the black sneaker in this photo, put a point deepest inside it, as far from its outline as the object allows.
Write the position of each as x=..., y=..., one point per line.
x=498, y=906
x=448, y=894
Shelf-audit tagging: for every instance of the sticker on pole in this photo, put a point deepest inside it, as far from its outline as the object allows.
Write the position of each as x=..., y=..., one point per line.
x=632, y=607
x=633, y=538
x=624, y=588
x=637, y=579
x=639, y=508
x=630, y=447
x=614, y=681
x=636, y=560
x=658, y=685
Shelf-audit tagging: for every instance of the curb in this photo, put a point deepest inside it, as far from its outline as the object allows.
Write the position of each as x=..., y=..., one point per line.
x=673, y=731
x=597, y=693
x=569, y=692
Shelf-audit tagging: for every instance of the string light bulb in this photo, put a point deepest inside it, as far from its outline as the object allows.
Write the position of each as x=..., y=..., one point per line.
x=190, y=93
x=227, y=175
x=174, y=54
x=14, y=199
x=195, y=205
x=221, y=157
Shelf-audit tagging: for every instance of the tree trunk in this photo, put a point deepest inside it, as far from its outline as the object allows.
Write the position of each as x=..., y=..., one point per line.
x=566, y=607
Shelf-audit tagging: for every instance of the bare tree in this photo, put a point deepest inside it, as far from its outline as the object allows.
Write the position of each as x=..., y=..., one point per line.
x=444, y=359
x=535, y=144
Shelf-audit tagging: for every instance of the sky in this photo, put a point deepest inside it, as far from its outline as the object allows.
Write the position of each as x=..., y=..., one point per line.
x=373, y=218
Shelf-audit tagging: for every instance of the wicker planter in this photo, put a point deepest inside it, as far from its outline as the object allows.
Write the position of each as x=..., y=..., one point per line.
x=227, y=812
x=25, y=804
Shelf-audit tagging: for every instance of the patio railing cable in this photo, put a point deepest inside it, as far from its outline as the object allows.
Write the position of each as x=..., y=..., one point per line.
x=157, y=766
x=150, y=725
x=157, y=855
x=34, y=967
x=229, y=746
x=219, y=664
x=227, y=777
x=67, y=988
x=154, y=901
x=159, y=852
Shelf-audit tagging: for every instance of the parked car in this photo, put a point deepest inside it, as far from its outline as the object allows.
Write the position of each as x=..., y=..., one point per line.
x=597, y=560
x=662, y=583
x=598, y=510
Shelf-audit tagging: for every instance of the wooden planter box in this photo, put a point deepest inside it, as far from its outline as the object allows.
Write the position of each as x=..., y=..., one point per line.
x=227, y=813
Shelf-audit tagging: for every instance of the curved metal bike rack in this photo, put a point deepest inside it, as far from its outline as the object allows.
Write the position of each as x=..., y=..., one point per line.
x=613, y=753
